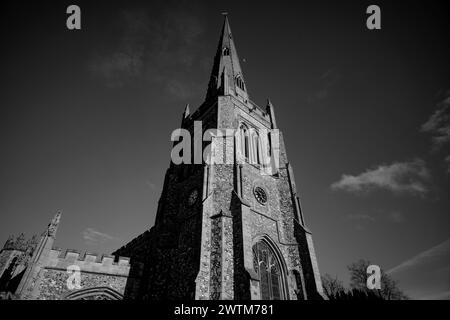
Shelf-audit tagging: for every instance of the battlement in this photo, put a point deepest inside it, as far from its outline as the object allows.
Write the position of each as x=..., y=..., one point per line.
x=88, y=262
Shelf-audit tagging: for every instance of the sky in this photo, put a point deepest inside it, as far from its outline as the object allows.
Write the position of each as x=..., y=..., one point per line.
x=86, y=117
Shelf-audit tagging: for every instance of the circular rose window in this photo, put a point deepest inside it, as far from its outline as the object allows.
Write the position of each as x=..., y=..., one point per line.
x=260, y=195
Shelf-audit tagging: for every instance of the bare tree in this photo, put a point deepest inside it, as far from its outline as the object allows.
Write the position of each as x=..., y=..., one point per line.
x=332, y=286
x=358, y=280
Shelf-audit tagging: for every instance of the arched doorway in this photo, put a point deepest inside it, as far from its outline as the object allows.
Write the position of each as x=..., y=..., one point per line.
x=97, y=293
x=269, y=268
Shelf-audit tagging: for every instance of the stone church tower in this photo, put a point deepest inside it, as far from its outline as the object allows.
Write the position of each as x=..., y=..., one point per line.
x=230, y=227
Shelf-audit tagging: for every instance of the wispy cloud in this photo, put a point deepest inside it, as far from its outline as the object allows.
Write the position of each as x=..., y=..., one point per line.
x=361, y=220
x=396, y=217
x=126, y=61
x=118, y=68
x=324, y=85
x=178, y=89
x=425, y=276
x=161, y=50
x=399, y=177
x=174, y=50
x=439, y=123
x=360, y=217
x=92, y=236
x=438, y=252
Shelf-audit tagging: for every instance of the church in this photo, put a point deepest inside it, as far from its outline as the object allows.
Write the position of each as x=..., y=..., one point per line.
x=230, y=228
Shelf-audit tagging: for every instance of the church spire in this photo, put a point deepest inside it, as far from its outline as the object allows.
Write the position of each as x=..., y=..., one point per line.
x=226, y=75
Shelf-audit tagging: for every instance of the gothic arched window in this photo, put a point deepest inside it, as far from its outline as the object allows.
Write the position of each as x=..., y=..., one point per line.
x=268, y=268
x=269, y=147
x=245, y=145
x=256, y=148
x=226, y=51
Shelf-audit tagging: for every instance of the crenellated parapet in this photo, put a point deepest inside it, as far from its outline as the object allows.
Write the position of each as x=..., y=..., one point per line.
x=88, y=262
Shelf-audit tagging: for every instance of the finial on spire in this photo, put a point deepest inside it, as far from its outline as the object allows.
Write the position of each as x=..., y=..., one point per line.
x=186, y=112
x=53, y=226
x=225, y=13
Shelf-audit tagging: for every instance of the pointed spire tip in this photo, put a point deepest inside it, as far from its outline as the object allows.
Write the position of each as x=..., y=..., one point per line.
x=187, y=111
x=226, y=70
